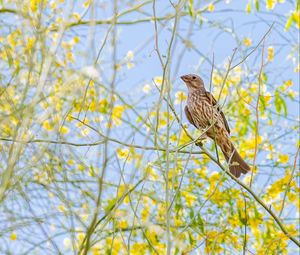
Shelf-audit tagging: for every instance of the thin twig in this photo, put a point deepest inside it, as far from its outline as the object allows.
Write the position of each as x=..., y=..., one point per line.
x=257, y=115
x=289, y=183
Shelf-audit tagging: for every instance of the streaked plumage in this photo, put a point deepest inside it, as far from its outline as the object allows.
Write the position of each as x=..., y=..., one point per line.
x=204, y=113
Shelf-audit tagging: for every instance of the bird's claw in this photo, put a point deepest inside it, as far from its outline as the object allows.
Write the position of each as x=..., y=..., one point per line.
x=199, y=143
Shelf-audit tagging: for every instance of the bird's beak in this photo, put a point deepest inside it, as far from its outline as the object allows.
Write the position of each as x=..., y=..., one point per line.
x=184, y=77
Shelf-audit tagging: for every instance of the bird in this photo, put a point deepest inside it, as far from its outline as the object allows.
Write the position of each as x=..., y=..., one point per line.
x=203, y=112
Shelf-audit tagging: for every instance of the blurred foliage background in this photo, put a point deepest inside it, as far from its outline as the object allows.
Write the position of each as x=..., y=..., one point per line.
x=96, y=155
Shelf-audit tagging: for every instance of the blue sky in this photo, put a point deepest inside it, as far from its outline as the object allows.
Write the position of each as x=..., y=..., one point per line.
x=222, y=30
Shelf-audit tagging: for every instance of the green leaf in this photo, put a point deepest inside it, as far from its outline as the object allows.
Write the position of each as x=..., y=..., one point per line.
x=284, y=107
x=288, y=23
x=248, y=8
x=262, y=104
x=178, y=206
x=242, y=219
x=191, y=239
x=200, y=20
x=280, y=104
x=9, y=56
x=264, y=77
x=257, y=5
x=176, y=250
x=110, y=204
x=277, y=102
x=191, y=213
x=200, y=223
x=256, y=214
x=191, y=9
x=92, y=171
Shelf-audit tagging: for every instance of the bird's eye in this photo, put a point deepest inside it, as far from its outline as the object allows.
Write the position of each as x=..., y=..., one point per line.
x=194, y=77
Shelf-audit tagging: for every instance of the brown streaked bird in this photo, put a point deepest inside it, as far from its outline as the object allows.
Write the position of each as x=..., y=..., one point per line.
x=203, y=111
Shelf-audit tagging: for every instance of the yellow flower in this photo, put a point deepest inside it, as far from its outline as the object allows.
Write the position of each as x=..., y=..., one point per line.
x=247, y=179
x=80, y=237
x=96, y=250
x=292, y=93
x=34, y=5
x=117, y=114
x=234, y=79
x=158, y=80
x=30, y=43
x=48, y=126
x=76, y=39
x=297, y=68
x=70, y=57
x=81, y=167
x=146, y=88
x=67, y=243
x=85, y=131
x=61, y=208
x=130, y=55
x=270, y=53
x=210, y=7
x=103, y=103
x=247, y=41
x=138, y=248
x=217, y=79
x=122, y=153
x=288, y=83
x=201, y=172
x=150, y=172
x=64, y=130
x=214, y=177
x=160, y=213
x=87, y=3
x=130, y=65
x=283, y=158
x=184, y=138
x=248, y=8
x=296, y=17
x=250, y=143
x=76, y=16
x=145, y=213
x=123, y=224
x=267, y=97
x=116, y=245
x=173, y=138
x=270, y=4
x=13, y=236
x=180, y=96
x=53, y=5
x=190, y=198
x=129, y=58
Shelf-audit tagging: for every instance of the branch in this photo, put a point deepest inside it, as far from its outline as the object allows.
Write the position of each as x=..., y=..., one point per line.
x=272, y=214
x=289, y=183
x=257, y=114
x=250, y=53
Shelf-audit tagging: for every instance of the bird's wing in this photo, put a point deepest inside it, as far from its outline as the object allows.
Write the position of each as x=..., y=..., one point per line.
x=214, y=102
x=189, y=116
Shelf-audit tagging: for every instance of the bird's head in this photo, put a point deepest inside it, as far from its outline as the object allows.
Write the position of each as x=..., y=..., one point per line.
x=193, y=81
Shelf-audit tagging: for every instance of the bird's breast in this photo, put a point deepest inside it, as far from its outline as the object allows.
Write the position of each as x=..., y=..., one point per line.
x=202, y=111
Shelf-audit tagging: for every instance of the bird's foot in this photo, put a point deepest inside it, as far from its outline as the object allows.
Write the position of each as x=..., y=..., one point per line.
x=199, y=142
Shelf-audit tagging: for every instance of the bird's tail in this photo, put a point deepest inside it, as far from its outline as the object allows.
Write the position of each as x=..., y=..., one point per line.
x=237, y=165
